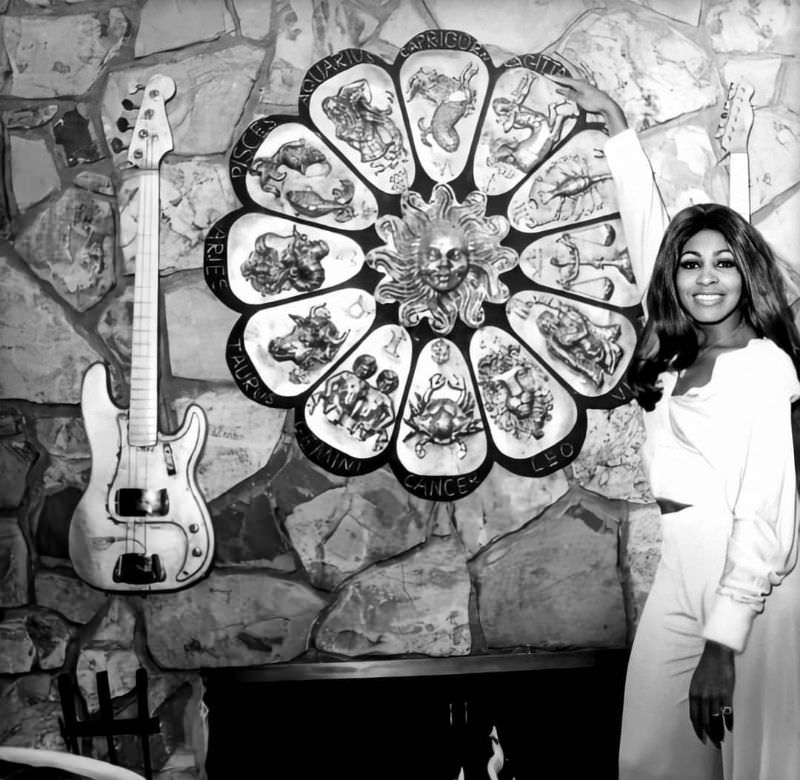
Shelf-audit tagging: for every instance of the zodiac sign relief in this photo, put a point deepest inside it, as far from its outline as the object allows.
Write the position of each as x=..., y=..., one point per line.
x=601, y=287
x=572, y=338
x=313, y=341
x=364, y=127
x=441, y=419
x=294, y=155
x=296, y=266
x=453, y=99
x=541, y=130
x=515, y=396
x=361, y=409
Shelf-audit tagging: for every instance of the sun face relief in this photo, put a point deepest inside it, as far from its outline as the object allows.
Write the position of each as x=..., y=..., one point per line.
x=442, y=260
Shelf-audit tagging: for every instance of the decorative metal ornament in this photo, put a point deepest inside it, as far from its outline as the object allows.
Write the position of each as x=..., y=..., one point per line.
x=429, y=266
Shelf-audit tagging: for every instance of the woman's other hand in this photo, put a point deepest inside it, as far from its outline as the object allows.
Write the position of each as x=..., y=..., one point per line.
x=711, y=693
x=592, y=99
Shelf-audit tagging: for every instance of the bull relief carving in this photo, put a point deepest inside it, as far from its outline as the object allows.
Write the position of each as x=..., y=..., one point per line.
x=429, y=266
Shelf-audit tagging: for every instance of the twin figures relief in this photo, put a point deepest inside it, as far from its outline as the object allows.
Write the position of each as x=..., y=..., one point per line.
x=429, y=266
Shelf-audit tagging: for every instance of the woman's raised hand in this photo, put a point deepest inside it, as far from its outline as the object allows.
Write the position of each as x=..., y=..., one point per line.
x=591, y=99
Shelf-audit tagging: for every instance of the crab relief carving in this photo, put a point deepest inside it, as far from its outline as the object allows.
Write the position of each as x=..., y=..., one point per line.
x=428, y=266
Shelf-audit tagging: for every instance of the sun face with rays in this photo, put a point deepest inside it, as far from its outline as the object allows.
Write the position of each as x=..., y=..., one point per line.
x=443, y=259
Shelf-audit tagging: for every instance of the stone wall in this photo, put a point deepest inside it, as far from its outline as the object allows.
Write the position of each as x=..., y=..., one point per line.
x=308, y=566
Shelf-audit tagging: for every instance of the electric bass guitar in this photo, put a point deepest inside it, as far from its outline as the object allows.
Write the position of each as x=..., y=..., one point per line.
x=141, y=524
x=732, y=133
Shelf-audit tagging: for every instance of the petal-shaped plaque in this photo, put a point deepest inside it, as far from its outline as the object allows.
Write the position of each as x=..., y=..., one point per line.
x=588, y=345
x=443, y=94
x=355, y=408
x=293, y=171
x=590, y=261
x=358, y=110
x=571, y=186
x=527, y=408
x=269, y=258
x=292, y=345
x=525, y=121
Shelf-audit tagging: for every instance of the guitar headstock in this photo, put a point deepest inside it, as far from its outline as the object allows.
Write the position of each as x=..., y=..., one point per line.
x=737, y=118
x=152, y=137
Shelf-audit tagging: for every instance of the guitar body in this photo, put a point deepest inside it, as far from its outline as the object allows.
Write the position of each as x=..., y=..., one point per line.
x=141, y=524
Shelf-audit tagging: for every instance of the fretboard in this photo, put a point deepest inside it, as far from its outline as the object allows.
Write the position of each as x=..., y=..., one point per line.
x=143, y=407
x=739, y=175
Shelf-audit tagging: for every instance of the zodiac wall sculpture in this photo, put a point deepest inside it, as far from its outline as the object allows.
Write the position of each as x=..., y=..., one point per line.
x=429, y=266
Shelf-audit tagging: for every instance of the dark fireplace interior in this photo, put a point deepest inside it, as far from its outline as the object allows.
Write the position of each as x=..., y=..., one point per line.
x=388, y=724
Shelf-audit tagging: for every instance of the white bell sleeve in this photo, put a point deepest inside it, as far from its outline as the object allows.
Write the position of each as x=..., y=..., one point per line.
x=761, y=490
x=644, y=217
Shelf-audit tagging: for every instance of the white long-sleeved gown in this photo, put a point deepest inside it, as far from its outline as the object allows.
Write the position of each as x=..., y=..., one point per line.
x=727, y=569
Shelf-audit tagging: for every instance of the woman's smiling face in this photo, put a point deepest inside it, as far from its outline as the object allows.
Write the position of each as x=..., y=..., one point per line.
x=708, y=281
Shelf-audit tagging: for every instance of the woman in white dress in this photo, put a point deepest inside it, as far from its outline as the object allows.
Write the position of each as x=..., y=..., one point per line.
x=716, y=372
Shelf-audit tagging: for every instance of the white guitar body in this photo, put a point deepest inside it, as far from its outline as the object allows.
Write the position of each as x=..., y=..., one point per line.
x=141, y=524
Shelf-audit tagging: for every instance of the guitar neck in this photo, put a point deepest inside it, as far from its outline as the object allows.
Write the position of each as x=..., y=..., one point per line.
x=143, y=407
x=739, y=176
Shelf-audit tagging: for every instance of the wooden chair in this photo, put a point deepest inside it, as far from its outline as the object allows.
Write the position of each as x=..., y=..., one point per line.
x=104, y=724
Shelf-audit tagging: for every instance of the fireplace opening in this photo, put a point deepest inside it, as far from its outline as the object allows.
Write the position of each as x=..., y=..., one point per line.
x=527, y=716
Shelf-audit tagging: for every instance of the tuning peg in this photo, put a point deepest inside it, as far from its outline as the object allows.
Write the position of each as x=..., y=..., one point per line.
x=117, y=145
x=123, y=125
x=129, y=105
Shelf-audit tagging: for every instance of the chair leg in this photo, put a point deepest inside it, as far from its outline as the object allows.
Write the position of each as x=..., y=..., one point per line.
x=143, y=715
x=69, y=721
x=106, y=713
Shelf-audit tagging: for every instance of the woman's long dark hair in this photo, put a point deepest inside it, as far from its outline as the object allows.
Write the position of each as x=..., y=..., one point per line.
x=669, y=339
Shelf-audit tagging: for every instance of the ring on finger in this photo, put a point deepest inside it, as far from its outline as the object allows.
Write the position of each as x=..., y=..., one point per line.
x=726, y=710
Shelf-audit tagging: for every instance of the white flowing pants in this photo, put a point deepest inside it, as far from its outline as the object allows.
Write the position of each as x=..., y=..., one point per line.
x=658, y=741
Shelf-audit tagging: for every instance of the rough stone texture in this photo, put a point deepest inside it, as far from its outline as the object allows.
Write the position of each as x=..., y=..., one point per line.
x=43, y=359
x=110, y=648
x=339, y=24
x=51, y=537
x=404, y=22
x=169, y=24
x=29, y=712
x=65, y=440
x=685, y=166
x=609, y=462
x=231, y=619
x=255, y=17
x=50, y=635
x=33, y=173
x=71, y=245
x=743, y=26
x=782, y=229
x=52, y=56
x=17, y=651
x=211, y=90
x=504, y=503
x=653, y=71
x=554, y=584
x=247, y=531
x=761, y=74
x=687, y=11
x=75, y=137
x=116, y=320
x=774, y=151
x=64, y=593
x=29, y=117
x=641, y=553
x=95, y=182
x=416, y=604
x=240, y=440
x=13, y=564
x=16, y=458
x=194, y=195
x=344, y=530
x=191, y=308
x=508, y=28
x=294, y=52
